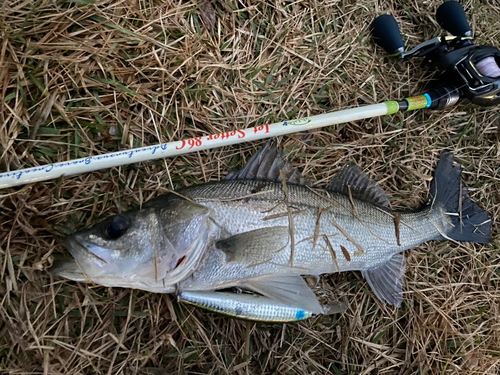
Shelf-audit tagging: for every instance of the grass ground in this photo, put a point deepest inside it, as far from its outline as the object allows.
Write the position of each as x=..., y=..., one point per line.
x=83, y=77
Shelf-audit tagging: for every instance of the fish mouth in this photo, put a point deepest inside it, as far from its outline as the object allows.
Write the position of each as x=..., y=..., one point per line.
x=69, y=269
x=77, y=249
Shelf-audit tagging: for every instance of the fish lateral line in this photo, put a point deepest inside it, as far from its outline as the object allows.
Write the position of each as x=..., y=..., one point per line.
x=401, y=221
x=238, y=198
x=283, y=214
x=317, y=243
x=327, y=198
x=378, y=237
x=258, y=188
x=273, y=208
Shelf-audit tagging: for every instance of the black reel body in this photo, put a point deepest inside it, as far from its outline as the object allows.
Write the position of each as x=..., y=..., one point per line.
x=471, y=72
x=463, y=69
x=456, y=62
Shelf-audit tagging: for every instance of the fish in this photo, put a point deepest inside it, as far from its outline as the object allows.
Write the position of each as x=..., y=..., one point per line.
x=263, y=229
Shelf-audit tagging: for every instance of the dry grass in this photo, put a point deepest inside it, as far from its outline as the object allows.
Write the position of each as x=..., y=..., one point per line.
x=82, y=77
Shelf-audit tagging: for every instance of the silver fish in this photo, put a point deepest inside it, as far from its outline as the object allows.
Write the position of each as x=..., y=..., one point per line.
x=264, y=228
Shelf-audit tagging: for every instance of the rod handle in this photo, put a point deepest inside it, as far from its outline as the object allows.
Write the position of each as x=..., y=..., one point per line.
x=451, y=16
x=386, y=34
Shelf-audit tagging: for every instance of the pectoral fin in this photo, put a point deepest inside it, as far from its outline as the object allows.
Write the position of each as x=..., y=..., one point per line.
x=255, y=246
x=289, y=290
x=386, y=280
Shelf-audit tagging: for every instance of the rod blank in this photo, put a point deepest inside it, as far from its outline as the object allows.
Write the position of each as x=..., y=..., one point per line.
x=115, y=159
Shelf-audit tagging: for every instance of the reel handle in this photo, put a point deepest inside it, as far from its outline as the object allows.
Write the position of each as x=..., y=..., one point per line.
x=451, y=16
x=386, y=34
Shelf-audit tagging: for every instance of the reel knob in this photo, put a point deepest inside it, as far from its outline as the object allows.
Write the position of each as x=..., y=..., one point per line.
x=451, y=16
x=386, y=34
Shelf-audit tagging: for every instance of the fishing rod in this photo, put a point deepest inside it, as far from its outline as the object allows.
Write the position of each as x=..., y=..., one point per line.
x=466, y=73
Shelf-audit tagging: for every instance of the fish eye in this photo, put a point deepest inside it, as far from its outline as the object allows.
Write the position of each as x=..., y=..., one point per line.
x=116, y=228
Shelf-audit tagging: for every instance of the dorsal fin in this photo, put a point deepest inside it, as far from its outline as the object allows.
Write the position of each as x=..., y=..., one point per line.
x=266, y=165
x=351, y=180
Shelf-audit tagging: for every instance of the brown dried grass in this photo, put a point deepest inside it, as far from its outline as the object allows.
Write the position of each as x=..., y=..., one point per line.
x=87, y=77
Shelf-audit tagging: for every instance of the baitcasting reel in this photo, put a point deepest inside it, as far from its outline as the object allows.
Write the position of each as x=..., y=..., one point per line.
x=466, y=72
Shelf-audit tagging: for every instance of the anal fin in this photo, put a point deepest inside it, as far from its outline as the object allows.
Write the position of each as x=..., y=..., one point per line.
x=290, y=290
x=386, y=279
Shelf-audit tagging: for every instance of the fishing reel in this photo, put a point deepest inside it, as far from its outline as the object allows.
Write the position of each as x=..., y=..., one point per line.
x=466, y=72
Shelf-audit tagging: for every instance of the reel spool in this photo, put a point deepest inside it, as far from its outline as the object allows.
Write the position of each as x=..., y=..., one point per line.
x=466, y=71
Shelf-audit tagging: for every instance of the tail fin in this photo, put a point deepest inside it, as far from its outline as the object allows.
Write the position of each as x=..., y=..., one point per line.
x=470, y=222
